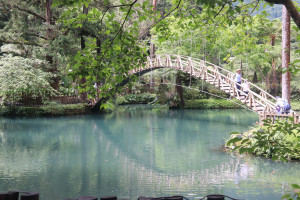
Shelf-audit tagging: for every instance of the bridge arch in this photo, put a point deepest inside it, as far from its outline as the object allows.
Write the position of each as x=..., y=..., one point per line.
x=256, y=99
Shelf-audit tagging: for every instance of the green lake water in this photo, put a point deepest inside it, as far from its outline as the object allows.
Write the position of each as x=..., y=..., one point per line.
x=137, y=151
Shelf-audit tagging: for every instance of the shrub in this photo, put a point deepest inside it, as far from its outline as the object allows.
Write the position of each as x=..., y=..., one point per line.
x=23, y=76
x=279, y=141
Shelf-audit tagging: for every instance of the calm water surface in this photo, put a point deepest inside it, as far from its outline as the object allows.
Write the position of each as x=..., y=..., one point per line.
x=136, y=151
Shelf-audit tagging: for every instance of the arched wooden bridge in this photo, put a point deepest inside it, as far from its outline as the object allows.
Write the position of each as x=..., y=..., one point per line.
x=257, y=99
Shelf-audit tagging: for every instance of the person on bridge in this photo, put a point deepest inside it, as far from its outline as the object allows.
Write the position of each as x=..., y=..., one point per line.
x=238, y=79
x=246, y=86
x=282, y=106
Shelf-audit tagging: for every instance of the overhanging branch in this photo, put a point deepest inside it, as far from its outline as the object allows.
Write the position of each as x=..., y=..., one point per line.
x=112, y=40
x=276, y=1
x=290, y=8
x=156, y=22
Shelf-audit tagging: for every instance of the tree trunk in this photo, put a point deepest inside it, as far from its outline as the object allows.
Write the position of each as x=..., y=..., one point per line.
x=255, y=80
x=49, y=36
x=272, y=78
x=83, y=95
x=152, y=46
x=98, y=83
x=179, y=89
x=286, y=77
x=242, y=66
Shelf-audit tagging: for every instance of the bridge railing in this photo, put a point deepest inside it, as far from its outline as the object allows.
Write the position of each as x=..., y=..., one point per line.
x=274, y=116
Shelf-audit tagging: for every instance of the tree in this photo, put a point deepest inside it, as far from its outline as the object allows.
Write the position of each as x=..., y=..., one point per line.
x=23, y=77
x=30, y=26
x=273, y=79
x=286, y=48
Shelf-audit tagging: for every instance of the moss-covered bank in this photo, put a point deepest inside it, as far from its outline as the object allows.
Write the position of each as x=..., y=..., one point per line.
x=212, y=104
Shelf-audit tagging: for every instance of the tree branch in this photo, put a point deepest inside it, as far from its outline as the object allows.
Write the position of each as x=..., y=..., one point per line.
x=122, y=5
x=290, y=8
x=220, y=9
x=152, y=25
x=112, y=40
x=103, y=16
x=293, y=12
x=30, y=12
x=276, y=1
x=36, y=35
x=254, y=7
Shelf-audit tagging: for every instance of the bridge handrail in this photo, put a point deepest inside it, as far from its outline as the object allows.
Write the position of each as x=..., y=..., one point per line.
x=260, y=89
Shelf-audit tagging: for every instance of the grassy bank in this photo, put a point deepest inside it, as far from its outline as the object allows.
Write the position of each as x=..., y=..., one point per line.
x=212, y=104
x=147, y=98
x=52, y=109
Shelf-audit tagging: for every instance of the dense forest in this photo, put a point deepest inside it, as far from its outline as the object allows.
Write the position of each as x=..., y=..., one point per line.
x=87, y=47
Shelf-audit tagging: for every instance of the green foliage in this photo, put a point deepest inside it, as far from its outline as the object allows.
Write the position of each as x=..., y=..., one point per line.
x=279, y=141
x=136, y=99
x=295, y=195
x=194, y=94
x=23, y=76
x=294, y=67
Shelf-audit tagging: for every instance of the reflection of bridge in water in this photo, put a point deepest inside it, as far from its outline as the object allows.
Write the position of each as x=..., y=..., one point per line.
x=202, y=180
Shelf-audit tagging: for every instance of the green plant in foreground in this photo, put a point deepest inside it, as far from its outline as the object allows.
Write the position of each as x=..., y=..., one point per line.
x=279, y=141
x=296, y=194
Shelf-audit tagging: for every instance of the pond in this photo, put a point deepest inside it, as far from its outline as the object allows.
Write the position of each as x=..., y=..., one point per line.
x=137, y=151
